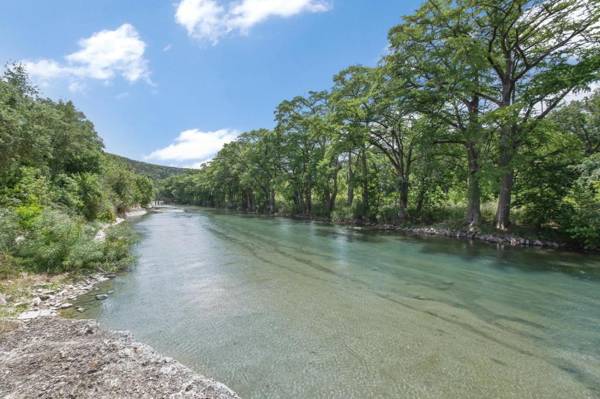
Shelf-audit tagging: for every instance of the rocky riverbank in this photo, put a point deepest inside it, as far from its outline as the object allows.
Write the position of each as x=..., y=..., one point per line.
x=49, y=301
x=46, y=356
x=508, y=240
x=52, y=357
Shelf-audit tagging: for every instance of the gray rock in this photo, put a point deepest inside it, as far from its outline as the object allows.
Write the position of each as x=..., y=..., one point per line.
x=34, y=314
x=101, y=297
x=66, y=305
x=52, y=357
x=3, y=300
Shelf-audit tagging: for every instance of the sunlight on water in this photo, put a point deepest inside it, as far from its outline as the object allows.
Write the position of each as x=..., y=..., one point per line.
x=277, y=308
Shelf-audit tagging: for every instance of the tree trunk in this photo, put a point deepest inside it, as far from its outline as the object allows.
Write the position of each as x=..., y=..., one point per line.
x=402, y=199
x=506, y=154
x=333, y=196
x=350, y=198
x=420, y=200
x=506, y=182
x=272, y=202
x=473, y=214
x=504, y=201
x=365, y=183
x=308, y=201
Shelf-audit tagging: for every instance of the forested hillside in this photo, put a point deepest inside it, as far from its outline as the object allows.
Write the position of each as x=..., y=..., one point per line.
x=57, y=185
x=465, y=120
x=154, y=172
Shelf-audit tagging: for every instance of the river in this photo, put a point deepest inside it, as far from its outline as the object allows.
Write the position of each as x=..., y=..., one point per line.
x=277, y=308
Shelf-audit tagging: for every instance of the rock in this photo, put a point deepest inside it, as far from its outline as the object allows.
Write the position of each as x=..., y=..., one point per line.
x=110, y=292
x=3, y=300
x=110, y=275
x=101, y=297
x=36, y=301
x=66, y=305
x=51, y=357
x=33, y=314
x=80, y=309
x=44, y=297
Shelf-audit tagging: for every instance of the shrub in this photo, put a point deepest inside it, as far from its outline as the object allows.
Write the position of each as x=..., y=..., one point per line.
x=116, y=252
x=57, y=242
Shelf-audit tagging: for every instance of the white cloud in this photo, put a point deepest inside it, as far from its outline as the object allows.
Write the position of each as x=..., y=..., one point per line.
x=193, y=147
x=76, y=87
x=210, y=20
x=103, y=56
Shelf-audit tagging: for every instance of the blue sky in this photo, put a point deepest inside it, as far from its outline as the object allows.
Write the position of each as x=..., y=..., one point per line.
x=169, y=81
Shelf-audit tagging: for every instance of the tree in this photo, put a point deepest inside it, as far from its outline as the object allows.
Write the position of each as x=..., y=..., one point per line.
x=435, y=57
x=299, y=123
x=539, y=51
x=582, y=120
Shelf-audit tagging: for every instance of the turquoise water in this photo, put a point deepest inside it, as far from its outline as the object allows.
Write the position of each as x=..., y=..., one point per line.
x=276, y=308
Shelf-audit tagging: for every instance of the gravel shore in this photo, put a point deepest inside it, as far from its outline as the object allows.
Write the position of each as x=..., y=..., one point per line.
x=53, y=357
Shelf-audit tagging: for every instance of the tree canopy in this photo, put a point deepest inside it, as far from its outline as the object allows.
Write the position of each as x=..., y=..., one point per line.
x=466, y=112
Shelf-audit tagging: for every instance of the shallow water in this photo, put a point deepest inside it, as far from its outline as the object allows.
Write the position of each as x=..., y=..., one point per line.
x=277, y=308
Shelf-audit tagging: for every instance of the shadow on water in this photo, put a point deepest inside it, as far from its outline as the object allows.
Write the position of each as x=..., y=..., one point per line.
x=355, y=305
x=531, y=260
x=581, y=266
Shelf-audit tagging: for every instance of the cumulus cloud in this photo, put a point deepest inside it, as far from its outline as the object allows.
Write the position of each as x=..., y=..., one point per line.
x=193, y=147
x=103, y=56
x=210, y=20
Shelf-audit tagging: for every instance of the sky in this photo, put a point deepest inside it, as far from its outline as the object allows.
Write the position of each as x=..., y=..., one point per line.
x=172, y=81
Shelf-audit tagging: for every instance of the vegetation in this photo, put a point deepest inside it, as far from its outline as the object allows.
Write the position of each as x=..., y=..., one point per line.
x=154, y=172
x=57, y=186
x=467, y=109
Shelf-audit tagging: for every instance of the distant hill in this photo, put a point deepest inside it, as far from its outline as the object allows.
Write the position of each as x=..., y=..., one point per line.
x=155, y=172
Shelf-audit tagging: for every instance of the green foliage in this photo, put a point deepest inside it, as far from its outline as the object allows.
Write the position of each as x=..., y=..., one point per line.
x=55, y=242
x=154, y=172
x=116, y=251
x=55, y=181
x=466, y=109
x=582, y=221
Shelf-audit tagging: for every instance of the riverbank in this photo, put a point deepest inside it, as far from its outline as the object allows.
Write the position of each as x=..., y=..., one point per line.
x=45, y=355
x=50, y=357
x=522, y=238
x=498, y=238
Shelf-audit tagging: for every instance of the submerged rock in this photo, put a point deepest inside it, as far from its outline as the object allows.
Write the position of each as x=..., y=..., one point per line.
x=101, y=297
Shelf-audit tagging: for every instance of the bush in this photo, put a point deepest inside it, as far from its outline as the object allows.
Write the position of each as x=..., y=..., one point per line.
x=9, y=228
x=116, y=251
x=582, y=216
x=57, y=242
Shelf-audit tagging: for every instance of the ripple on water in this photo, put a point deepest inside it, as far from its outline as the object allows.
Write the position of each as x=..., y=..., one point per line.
x=278, y=308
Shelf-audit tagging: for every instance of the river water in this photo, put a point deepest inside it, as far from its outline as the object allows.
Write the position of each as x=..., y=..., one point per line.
x=276, y=308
